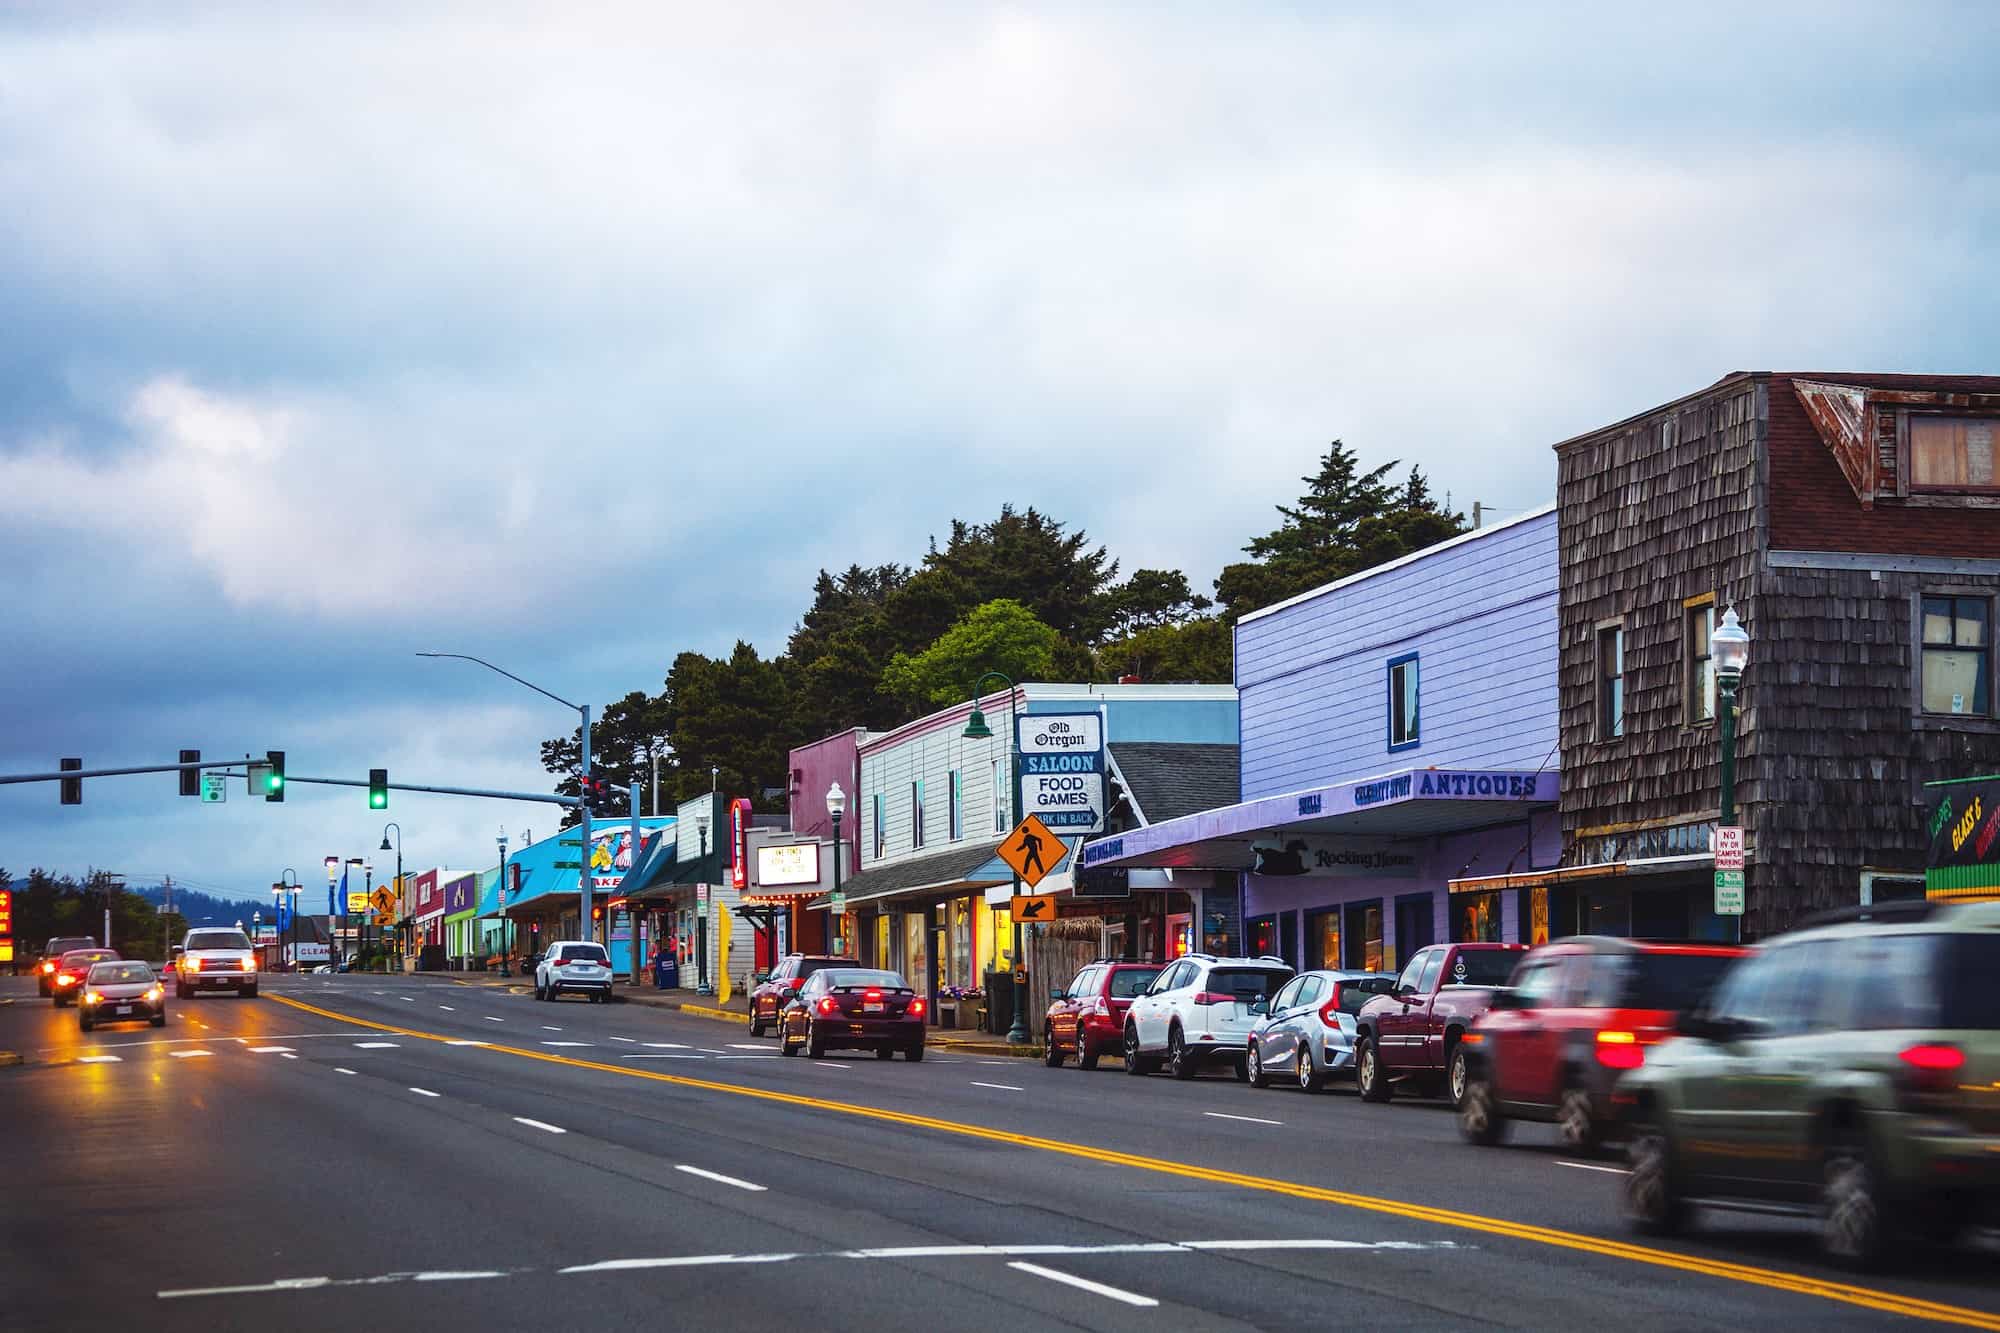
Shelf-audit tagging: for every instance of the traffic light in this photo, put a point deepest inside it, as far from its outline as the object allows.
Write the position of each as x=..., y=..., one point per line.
x=72, y=788
x=190, y=777
x=274, y=777
x=378, y=789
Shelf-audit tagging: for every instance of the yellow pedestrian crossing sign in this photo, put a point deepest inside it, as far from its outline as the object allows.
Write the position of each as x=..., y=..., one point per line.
x=1033, y=851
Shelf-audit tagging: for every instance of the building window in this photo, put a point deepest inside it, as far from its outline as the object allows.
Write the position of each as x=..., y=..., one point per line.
x=1957, y=653
x=917, y=813
x=999, y=801
x=955, y=813
x=1404, y=729
x=1610, y=682
x=881, y=828
x=1700, y=665
x=1952, y=454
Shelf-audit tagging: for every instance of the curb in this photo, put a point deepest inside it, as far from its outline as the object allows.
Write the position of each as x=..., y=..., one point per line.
x=704, y=1011
x=8, y=1059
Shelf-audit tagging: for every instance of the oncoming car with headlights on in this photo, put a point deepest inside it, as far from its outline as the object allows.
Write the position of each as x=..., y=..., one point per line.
x=121, y=992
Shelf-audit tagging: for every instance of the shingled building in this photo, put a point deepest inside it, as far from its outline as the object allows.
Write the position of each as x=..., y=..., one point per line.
x=1853, y=521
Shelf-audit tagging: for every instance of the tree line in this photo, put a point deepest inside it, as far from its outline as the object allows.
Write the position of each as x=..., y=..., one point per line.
x=1020, y=594
x=47, y=905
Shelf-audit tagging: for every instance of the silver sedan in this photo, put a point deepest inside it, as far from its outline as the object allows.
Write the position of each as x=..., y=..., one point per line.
x=1307, y=1032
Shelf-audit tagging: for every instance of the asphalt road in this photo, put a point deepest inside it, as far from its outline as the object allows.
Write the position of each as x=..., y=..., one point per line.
x=495, y=1162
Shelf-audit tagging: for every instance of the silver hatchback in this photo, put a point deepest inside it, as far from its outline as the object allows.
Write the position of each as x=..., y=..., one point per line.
x=1307, y=1033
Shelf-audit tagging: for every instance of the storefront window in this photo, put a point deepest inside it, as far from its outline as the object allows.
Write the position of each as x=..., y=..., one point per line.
x=1475, y=918
x=881, y=956
x=1323, y=938
x=916, y=956
x=1537, y=915
x=1363, y=947
x=1180, y=933
x=960, y=968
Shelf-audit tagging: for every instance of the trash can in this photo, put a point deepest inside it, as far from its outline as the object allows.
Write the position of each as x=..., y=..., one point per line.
x=999, y=1001
x=666, y=973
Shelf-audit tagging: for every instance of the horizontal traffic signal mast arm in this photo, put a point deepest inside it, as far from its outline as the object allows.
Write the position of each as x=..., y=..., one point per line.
x=291, y=779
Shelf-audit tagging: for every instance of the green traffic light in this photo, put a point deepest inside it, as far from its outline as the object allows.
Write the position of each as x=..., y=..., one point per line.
x=272, y=782
x=378, y=800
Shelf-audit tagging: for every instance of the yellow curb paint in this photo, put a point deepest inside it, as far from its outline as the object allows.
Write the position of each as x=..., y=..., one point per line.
x=8, y=1059
x=1800, y=1284
x=703, y=1011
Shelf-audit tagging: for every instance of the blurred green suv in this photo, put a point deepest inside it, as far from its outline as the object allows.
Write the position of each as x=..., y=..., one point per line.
x=1848, y=1071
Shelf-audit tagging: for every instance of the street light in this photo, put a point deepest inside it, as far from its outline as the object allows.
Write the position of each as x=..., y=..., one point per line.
x=1730, y=646
x=500, y=897
x=977, y=730
x=836, y=806
x=278, y=907
x=701, y=918
x=399, y=873
x=583, y=769
x=289, y=878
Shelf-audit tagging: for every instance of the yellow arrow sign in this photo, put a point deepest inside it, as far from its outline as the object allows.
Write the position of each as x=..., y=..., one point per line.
x=1034, y=907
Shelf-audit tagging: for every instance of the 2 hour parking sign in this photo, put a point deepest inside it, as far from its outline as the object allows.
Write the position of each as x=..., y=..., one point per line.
x=1062, y=769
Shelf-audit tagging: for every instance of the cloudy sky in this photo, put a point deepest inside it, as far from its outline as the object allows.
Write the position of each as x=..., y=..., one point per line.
x=330, y=335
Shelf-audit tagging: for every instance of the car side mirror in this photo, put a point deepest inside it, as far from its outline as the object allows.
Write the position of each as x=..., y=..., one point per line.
x=1405, y=992
x=1260, y=1006
x=1056, y=992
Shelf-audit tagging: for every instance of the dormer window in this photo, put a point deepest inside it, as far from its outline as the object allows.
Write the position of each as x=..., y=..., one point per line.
x=1952, y=453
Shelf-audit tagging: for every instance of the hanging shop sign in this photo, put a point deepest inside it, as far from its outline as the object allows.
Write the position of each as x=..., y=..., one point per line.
x=1373, y=858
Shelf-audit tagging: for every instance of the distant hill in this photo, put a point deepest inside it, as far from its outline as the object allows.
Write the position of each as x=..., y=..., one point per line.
x=196, y=907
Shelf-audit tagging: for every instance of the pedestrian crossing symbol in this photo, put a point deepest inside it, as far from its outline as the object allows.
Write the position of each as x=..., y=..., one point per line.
x=1033, y=851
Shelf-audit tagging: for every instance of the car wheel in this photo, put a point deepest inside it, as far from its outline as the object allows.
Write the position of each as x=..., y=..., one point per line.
x=815, y=1043
x=181, y=992
x=1086, y=1054
x=785, y=1044
x=1650, y=1196
x=885, y=1052
x=756, y=1024
x=915, y=1053
x=160, y=1019
x=1370, y=1080
x=1309, y=1075
x=1053, y=1055
x=83, y=1021
x=1180, y=1063
x=1576, y=1126
x=248, y=992
x=1855, y=1227
x=1479, y=1118
x=1458, y=1073
x=1253, y=1067
x=1135, y=1061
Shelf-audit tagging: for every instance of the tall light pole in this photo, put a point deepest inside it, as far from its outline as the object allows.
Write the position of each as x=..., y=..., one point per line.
x=836, y=806
x=368, y=892
x=583, y=788
x=399, y=872
x=1730, y=646
x=289, y=879
x=701, y=917
x=278, y=915
x=976, y=729
x=500, y=898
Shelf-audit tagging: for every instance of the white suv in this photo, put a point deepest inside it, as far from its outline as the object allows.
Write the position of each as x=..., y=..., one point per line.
x=574, y=965
x=215, y=959
x=1200, y=1008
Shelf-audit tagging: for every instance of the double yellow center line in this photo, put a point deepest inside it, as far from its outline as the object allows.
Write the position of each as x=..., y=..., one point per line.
x=1800, y=1284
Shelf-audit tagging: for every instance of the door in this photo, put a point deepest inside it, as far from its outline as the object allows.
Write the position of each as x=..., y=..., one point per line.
x=1399, y=1021
x=1426, y=1045
x=1288, y=938
x=1063, y=1011
x=1523, y=1039
x=1150, y=1011
x=1279, y=1040
x=1260, y=936
x=1416, y=923
x=1737, y=1097
x=1362, y=944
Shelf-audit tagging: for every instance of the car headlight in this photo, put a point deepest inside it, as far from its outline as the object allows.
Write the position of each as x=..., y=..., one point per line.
x=155, y=994
x=64, y=979
x=91, y=997
x=249, y=964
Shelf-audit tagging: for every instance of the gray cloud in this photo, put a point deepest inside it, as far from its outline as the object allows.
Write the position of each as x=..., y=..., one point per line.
x=338, y=333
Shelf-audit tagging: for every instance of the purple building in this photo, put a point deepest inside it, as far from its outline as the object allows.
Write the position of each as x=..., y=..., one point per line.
x=1398, y=735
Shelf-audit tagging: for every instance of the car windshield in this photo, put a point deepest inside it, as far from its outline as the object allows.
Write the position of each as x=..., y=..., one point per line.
x=112, y=974
x=1482, y=967
x=1247, y=984
x=583, y=953
x=1130, y=981
x=58, y=947
x=855, y=976
x=84, y=958
x=218, y=939
x=1676, y=982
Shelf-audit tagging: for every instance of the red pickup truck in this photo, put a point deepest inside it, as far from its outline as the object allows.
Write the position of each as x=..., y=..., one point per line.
x=1411, y=1035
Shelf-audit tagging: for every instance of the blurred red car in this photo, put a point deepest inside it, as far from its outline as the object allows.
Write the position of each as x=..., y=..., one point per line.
x=1088, y=1018
x=72, y=968
x=776, y=991
x=1577, y=1014
x=851, y=1007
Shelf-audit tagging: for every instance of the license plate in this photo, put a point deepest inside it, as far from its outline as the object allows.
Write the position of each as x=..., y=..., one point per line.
x=871, y=1008
x=124, y=1008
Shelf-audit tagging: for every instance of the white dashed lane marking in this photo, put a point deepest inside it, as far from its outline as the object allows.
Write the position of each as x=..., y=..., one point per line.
x=447, y=1008
x=465, y=1041
x=269, y=1050
x=375, y=1045
x=338, y=1070
x=1000, y=1087
x=100, y=1059
x=538, y=1124
x=1591, y=1166
x=1247, y=1119
x=719, y=1178
x=629, y=1041
x=1083, y=1284
x=425, y=1092
x=491, y=1019
x=568, y=1043
x=188, y=1055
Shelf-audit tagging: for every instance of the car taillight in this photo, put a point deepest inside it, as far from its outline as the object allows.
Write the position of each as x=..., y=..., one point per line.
x=1100, y=1006
x=827, y=1005
x=65, y=979
x=48, y=967
x=1931, y=1069
x=1329, y=1013
x=1618, y=1049
x=916, y=1009
x=1213, y=997
x=871, y=995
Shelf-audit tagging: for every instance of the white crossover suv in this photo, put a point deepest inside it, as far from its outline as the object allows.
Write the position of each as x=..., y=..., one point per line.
x=574, y=965
x=1201, y=1008
x=215, y=959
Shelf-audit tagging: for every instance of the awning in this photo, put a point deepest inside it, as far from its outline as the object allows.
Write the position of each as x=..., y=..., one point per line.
x=965, y=867
x=1410, y=803
x=1542, y=879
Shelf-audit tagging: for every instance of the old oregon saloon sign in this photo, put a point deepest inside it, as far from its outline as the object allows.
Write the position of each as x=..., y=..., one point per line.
x=1965, y=839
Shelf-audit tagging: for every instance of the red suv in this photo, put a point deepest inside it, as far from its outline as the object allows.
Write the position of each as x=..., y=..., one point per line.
x=1579, y=1013
x=776, y=991
x=1089, y=1017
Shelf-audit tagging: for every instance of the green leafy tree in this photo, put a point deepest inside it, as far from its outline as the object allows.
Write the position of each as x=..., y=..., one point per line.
x=734, y=714
x=1001, y=635
x=1347, y=521
x=1194, y=652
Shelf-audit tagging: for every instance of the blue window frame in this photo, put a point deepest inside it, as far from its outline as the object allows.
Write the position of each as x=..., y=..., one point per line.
x=1405, y=729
